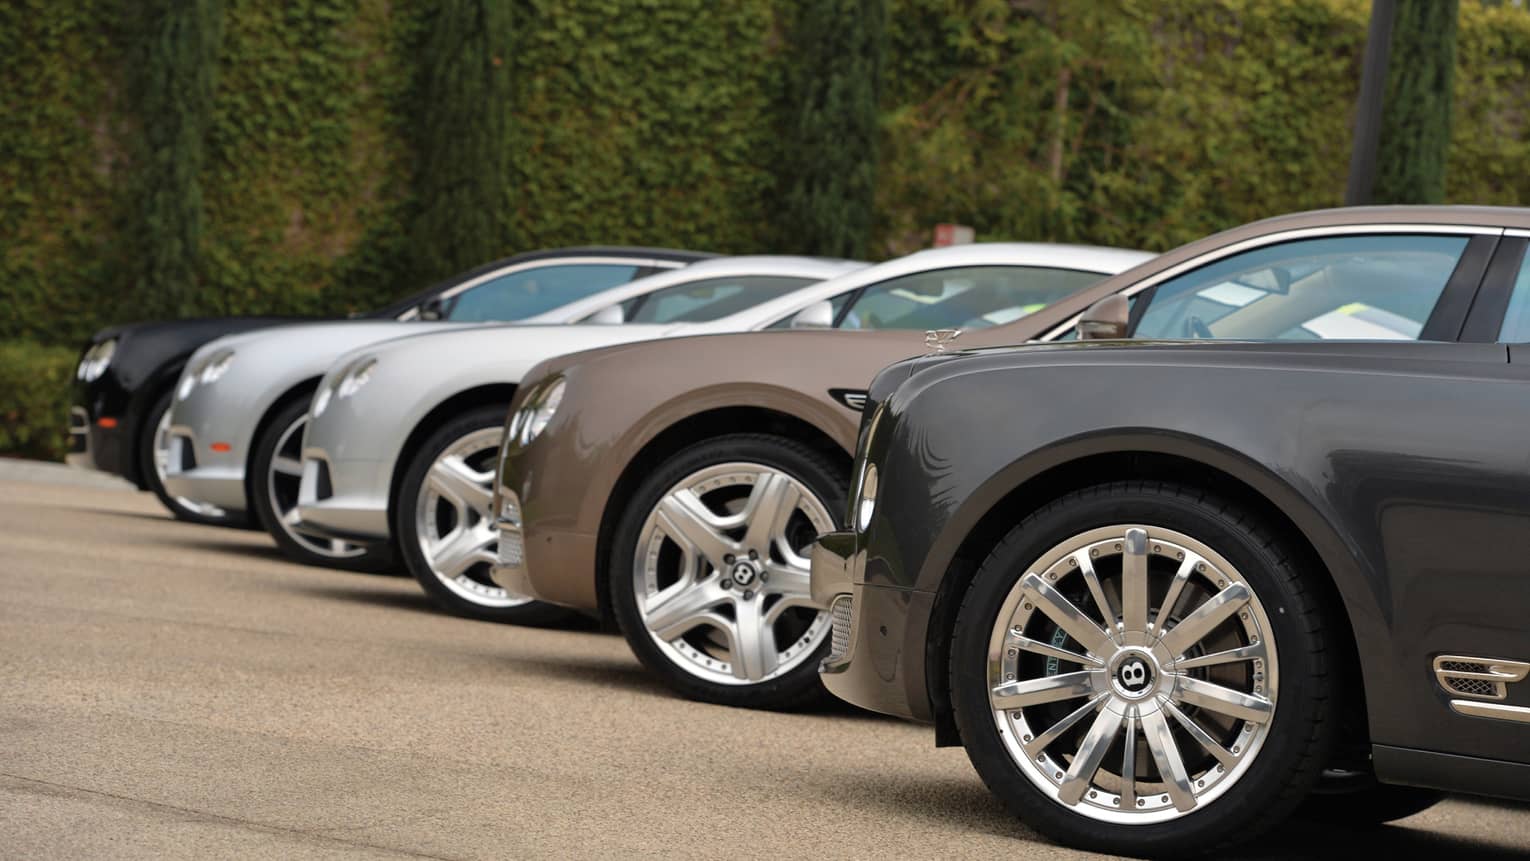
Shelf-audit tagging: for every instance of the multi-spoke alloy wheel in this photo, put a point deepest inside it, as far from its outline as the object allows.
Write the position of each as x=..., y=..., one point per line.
x=154, y=452
x=1147, y=670
x=444, y=525
x=714, y=590
x=1132, y=674
x=277, y=473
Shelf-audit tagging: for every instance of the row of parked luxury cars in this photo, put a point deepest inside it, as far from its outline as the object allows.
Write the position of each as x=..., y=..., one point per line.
x=1173, y=545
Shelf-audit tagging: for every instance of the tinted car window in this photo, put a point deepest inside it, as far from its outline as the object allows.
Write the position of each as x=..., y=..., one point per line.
x=1516, y=320
x=1346, y=288
x=535, y=291
x=971, y=297
x=836, y=304
x=714, y=298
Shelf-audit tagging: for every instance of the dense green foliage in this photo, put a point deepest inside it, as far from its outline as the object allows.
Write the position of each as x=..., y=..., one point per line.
x=464, y=191
x=831, y=159
x=671, y=122
x=1415, y=120
x=34, y=399
x=176, y=60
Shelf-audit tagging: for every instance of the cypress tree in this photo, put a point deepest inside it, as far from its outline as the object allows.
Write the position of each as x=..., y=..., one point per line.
x=830, y=148
x=1415, y=124
x=177, y=53
x=463, y=181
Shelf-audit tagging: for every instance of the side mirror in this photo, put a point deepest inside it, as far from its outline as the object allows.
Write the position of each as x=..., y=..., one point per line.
x=819, y=315
x=1105, y=319
x=432, y=309
x=611, y=315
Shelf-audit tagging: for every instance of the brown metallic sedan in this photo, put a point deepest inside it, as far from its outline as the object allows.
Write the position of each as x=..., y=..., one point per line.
x=674, y=486
x=637, y=473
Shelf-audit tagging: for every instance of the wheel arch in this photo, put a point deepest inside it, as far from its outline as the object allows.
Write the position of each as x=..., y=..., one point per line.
x=301, y=389
x=1026, y=487
x=487, y=395
x=681, y=434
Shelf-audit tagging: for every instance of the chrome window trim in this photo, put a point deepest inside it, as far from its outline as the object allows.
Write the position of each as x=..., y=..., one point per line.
x=1517, y=232
x=636, y=263
x=1278, y=238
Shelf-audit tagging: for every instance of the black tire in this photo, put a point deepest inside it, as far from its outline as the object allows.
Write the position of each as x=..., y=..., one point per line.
x=371, y=559
x=1301, y=735
x=797, y=688
x=406, y=528
x=146, y=455
x=1360, y=801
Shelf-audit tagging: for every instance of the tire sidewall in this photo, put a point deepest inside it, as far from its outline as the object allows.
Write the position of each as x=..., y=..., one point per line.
x=407, y=532
x=1288, y=760
x=376, y=558
x=794, y=689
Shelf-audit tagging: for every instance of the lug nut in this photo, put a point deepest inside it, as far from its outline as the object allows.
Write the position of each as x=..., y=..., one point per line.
x=727, y=584
x=764, y=575
x=753, y=555
x=728, y=558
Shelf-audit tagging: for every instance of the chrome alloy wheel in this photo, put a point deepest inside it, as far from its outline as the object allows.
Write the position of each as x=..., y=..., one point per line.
x=721, y=573
x=1131, y=674
x=282, y=483
x=162, y=440
x=453, y=522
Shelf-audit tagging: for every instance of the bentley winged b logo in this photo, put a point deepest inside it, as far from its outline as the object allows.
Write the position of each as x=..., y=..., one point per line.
x=937, y=339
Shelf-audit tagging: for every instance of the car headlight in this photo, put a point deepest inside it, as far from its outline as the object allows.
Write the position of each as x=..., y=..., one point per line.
x=214, y=368
x=93, y=364
x=532, y=418
x=321, y=401
x=359, y=375
x=866, y=504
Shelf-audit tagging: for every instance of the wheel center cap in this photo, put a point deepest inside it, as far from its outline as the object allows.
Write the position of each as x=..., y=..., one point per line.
x=744, y=573
x=1134, y=674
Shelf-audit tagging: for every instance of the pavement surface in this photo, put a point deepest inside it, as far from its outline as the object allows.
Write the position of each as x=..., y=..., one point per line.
x=169, y=690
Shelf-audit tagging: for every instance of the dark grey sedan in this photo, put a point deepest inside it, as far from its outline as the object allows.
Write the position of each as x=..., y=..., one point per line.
x=1166, y=592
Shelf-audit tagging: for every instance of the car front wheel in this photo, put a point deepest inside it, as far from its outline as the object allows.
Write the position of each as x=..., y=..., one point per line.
x=446, y=530
x=1140, y=668
x=276, y=473
x=154, y=452
x=709, y=570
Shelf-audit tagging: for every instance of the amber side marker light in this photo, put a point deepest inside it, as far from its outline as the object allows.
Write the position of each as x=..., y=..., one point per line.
x=107, y=422
x=221, y=447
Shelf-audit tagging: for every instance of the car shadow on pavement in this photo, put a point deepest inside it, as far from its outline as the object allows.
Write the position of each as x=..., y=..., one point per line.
x=1299, y=838
x=269, y=552
x=417, y=600
x=599, y=672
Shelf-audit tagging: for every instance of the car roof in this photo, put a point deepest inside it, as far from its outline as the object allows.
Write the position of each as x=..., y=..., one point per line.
x=815, y=269
x=1084, y=258
x=634, y=252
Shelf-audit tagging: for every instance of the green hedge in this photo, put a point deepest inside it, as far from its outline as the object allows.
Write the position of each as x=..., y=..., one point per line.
x=34, y=399
x=1123, y=122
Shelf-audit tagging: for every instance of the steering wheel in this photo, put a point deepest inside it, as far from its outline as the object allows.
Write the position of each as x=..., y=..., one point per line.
x=1197, y=328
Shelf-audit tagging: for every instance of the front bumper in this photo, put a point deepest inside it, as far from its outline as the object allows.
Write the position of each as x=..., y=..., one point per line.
x=876, y=659
x=346, y=499
x=535, y=561
x=197, y=471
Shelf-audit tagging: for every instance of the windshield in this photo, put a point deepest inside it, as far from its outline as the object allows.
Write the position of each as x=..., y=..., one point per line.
x=712, y=299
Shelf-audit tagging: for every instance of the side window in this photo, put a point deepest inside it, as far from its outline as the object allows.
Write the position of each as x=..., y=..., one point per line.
x=529, y=292
x=711, y=299
x=837, y=303
x=1340, y=288
x=971, y=297
x=1516, y=320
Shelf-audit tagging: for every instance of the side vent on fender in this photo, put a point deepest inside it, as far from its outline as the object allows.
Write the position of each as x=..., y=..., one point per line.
x=1476, y=685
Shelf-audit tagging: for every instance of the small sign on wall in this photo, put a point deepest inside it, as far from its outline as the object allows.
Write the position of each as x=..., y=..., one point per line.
x=952, y=234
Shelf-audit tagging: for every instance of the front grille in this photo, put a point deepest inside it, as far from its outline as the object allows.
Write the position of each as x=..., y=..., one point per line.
x=1475, y=687
x=841, y=612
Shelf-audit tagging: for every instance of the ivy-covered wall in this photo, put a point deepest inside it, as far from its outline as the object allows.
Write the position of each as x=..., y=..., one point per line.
x=1133, y=122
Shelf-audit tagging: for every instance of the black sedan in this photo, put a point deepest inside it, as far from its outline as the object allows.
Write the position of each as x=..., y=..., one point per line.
x=1164, y=593
x=118, y=420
